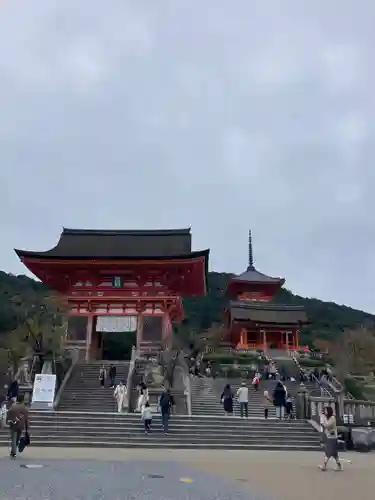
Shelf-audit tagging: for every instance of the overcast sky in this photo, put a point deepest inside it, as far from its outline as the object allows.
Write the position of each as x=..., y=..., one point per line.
x=215, y=114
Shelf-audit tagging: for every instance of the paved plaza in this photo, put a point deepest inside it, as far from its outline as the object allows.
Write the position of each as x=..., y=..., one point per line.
x=62, y=474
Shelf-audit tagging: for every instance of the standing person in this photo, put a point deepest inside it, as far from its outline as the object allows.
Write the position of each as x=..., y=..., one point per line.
x=165, y=403
x=147, y=417
x=289, y=407
x=102, y=375
x=112, y=375
x=243, y=398
x=273, y=371
x=227, y=400
x=3, y=414
x=256, y=382
x=13, y=391
x=18, y=421
x=330, y=439
x=143, y=396
x=120, y=395
x=266, y=403
x=279, y=399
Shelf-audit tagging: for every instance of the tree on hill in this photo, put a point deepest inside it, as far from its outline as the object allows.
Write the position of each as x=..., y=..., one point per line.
x=327, y=319
x=38, y=328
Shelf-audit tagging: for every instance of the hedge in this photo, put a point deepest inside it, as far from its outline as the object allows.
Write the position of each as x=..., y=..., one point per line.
x=231, y=358
x=312, y=363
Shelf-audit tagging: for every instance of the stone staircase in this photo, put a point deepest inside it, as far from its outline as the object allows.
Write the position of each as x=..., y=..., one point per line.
x=106, y=430
x=84, y=392
x=290, y=369
x=87, y=417
x=206, y=394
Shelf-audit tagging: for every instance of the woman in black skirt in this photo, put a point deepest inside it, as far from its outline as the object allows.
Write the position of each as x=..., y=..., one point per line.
x=227, y=400
x=330, y=439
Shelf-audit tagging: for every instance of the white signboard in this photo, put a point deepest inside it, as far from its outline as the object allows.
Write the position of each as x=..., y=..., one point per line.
x=44, y=389
x=116, y=324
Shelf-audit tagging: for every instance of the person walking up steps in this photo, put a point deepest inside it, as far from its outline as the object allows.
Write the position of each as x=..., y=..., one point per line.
x=227, y=400
x=147, y=417
x=279, y=397
x=165, y=404
x=267, y=403
x=102, y=375
x=112, y=375
x=256, y=381
x=243, y=398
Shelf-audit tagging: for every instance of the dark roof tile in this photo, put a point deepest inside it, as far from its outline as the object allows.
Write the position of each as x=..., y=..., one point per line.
x=120, y=244
x=261, y=312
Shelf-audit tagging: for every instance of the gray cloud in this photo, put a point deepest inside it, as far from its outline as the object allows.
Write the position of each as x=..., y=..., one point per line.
x=214, y=114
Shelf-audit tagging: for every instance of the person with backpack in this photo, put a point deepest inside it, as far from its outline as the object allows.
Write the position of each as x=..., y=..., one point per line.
x=18, y=421
x=165, y=404
x=256, y=381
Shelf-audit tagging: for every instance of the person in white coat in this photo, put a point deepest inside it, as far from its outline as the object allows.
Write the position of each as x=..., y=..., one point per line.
x=143, y=397
x=120, y=395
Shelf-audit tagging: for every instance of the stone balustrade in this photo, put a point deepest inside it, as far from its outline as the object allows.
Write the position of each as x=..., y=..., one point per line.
x=357, y=411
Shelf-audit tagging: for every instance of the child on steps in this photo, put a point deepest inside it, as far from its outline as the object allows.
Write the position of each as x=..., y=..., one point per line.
x=147, y=416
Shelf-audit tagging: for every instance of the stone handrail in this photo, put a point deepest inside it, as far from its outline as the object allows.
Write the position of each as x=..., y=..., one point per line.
x=129, y=381
x=325, y=391
x=74, y=357
x=187, y=392
x=362, y=411
x=316, y=406
x=358, y=411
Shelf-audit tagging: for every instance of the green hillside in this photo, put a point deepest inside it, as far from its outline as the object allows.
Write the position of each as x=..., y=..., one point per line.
x=327, y=318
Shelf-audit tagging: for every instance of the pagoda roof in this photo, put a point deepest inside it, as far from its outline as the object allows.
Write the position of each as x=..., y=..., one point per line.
x=252, y=275
x=261, y=312
x=130, y=244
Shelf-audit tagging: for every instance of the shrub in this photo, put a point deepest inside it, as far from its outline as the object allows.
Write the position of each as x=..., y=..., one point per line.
x=312, y=363
x=355, y=389
x=231, y=358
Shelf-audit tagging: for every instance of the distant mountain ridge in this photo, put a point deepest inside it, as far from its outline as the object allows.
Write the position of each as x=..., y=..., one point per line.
x=327, y=318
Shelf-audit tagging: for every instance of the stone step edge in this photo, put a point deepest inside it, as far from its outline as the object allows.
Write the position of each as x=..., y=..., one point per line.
x=146, y=444
x=83, y=412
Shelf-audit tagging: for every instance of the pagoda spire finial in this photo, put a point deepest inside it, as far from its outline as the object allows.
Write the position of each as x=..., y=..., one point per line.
x=251, y=256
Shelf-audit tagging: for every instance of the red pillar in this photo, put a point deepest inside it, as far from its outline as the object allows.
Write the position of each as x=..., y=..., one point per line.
x=297, y=339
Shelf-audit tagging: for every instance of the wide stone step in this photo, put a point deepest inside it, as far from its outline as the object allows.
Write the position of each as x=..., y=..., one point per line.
x=189, y=434
x=126, y=419
x=158, y=436
x=166, y=444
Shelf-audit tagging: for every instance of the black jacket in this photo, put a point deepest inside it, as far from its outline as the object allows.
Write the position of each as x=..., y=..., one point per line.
x=13, y=389
x=279, y=396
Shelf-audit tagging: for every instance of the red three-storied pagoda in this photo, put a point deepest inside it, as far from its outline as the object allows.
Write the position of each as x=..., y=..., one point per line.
x=254, y=319
x=121, y=281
